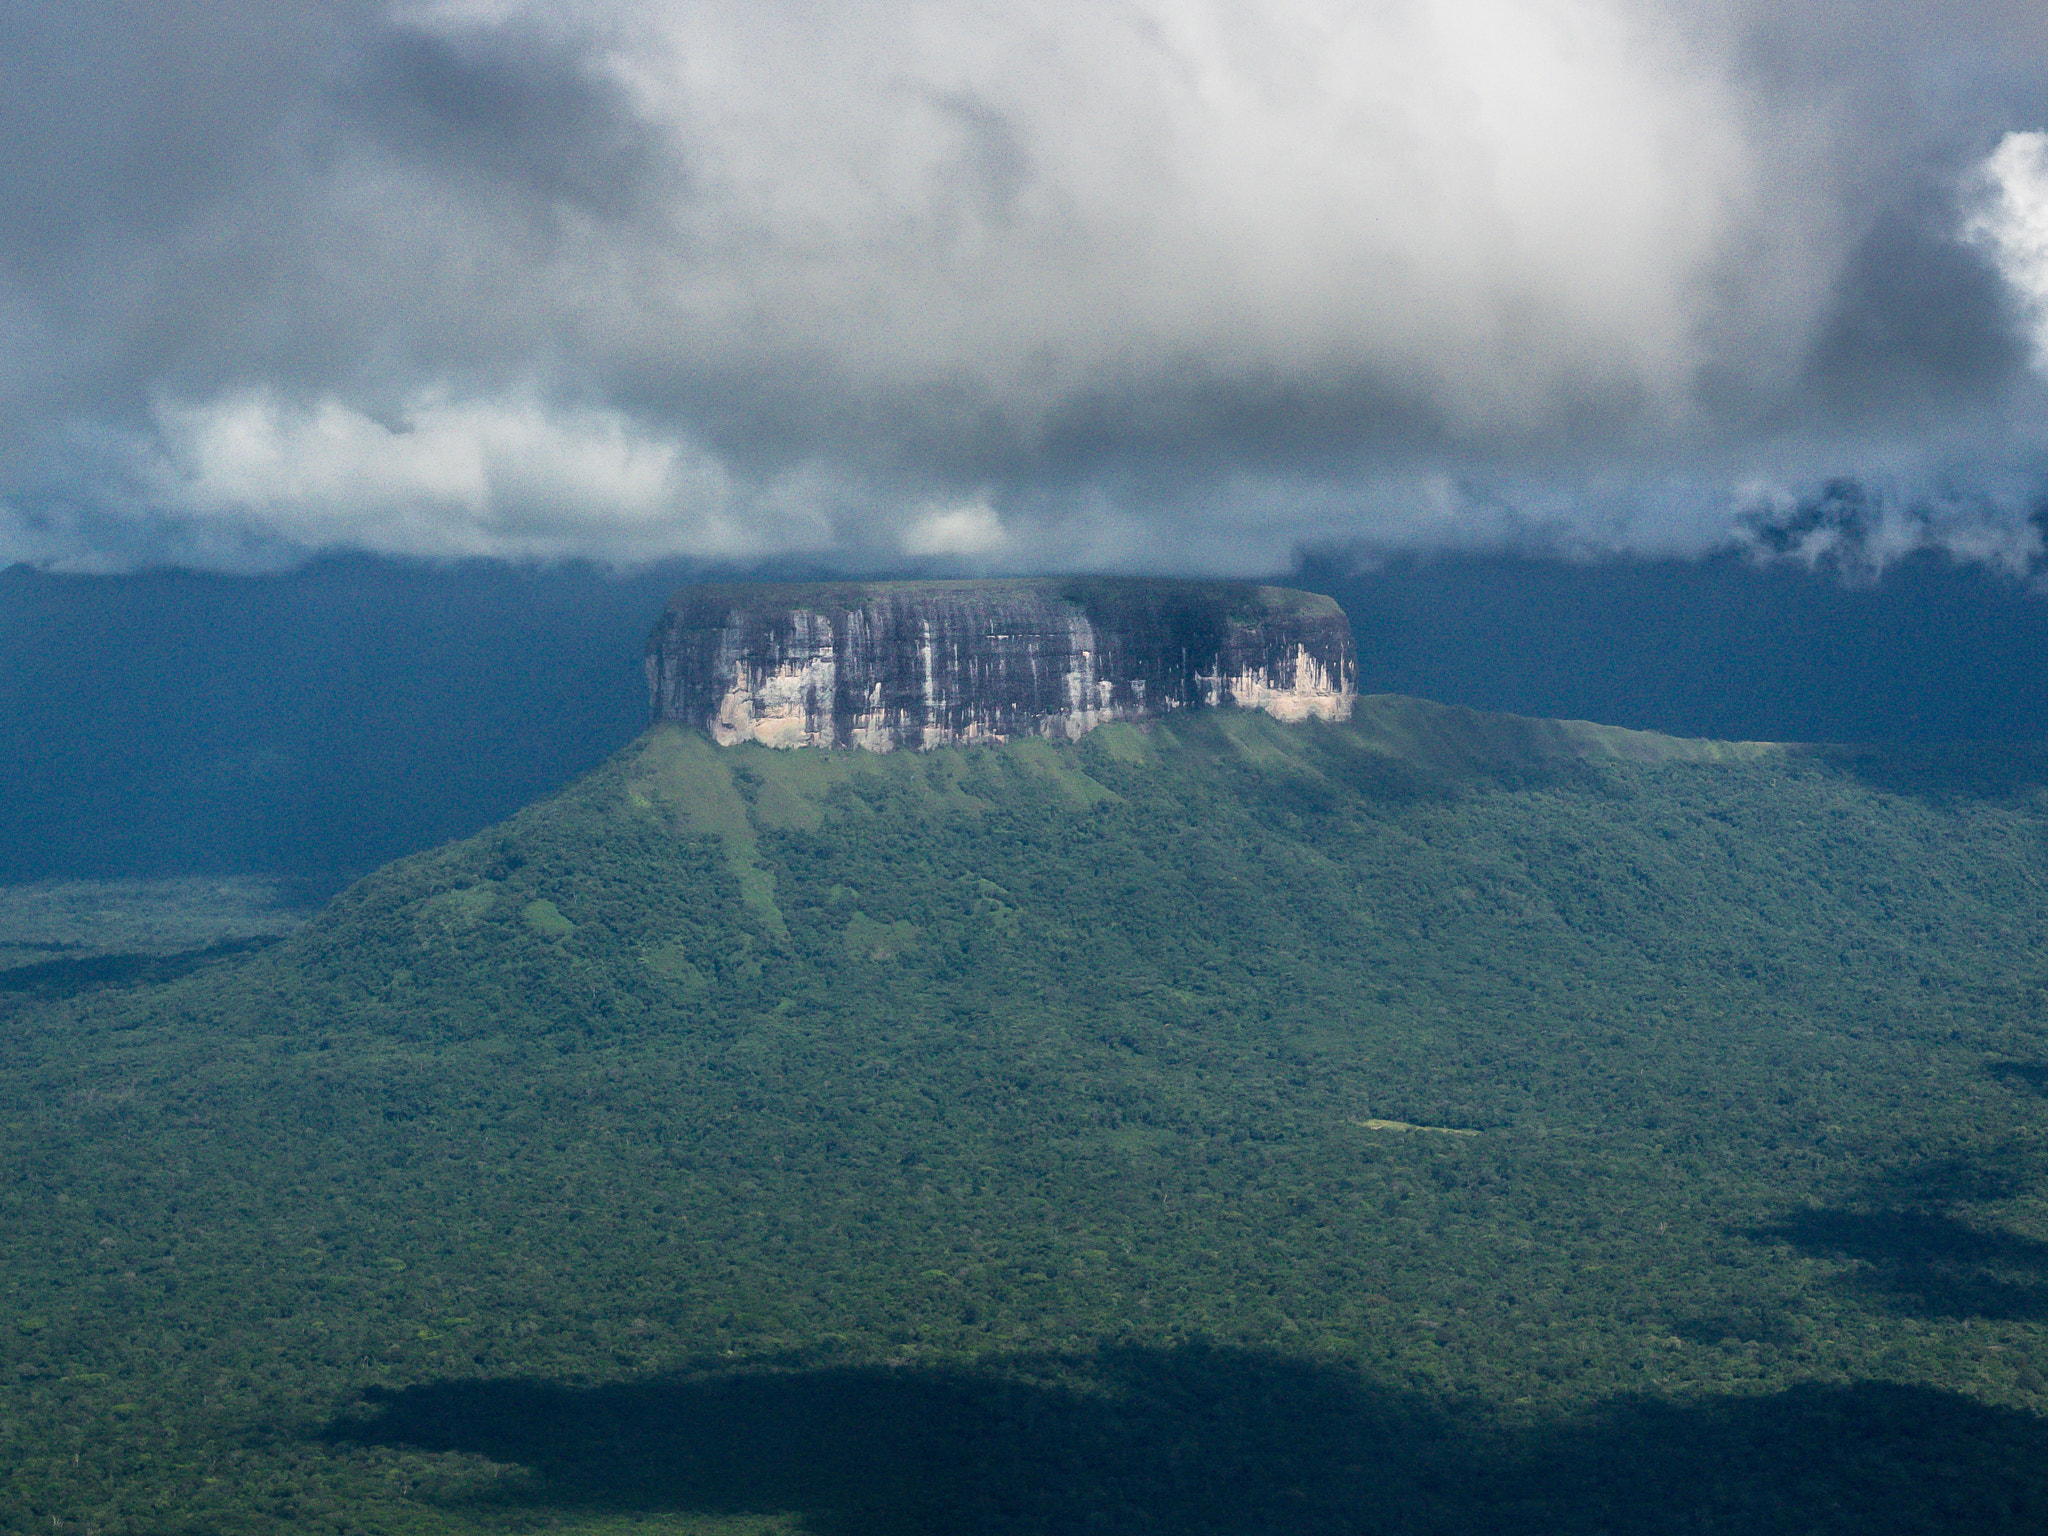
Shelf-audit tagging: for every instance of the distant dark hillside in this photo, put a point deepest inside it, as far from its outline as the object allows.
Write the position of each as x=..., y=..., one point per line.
x=312, y=725
x=1930, y=653
x=1437, y=1122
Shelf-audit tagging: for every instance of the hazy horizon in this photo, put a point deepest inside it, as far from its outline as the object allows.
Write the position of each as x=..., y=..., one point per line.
x=315, y=723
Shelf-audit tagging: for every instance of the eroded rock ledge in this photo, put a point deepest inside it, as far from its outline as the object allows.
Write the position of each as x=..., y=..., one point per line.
x=882, y=665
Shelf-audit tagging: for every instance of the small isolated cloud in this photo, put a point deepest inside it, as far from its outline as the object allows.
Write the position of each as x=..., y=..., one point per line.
x=968, y=530
x=1856, y=529
x=454, y=478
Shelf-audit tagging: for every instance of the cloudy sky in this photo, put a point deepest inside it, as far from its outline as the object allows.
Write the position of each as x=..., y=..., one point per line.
x=1159, y=284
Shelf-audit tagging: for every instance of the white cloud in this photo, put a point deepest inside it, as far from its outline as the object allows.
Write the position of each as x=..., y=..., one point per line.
x=459, y=477
x=1859, y=529
x=1508, y=204
x=2013, y=222
x=970, y=530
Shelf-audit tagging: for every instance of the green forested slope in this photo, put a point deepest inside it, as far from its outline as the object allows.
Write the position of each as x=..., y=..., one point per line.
x=1010, y=1139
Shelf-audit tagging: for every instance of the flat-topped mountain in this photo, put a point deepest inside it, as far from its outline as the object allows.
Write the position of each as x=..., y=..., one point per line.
x=882, y=665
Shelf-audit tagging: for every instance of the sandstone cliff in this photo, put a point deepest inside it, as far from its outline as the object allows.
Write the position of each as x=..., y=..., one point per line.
x=882, y=665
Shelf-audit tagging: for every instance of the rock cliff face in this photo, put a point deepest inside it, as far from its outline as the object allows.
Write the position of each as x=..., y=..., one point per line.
x=882, y=665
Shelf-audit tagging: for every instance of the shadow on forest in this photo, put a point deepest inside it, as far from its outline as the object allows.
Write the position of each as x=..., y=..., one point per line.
x=1210, y=1440
x=1743, y=1325
x=1944, y=774
x=48, y=980
x=1928, y=1262
x=2033, y=1074
x=1917, y=1254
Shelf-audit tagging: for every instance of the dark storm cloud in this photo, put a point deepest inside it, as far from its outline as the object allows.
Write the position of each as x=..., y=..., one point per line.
x=525, y=113
x=1917, y=320
x=120, y=121
x=132, y=140
x=1176, y=282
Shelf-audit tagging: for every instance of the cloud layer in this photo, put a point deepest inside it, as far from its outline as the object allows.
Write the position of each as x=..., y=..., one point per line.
x=1162, y=283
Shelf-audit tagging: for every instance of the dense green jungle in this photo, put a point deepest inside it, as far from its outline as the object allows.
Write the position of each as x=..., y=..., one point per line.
x=1437, y=1122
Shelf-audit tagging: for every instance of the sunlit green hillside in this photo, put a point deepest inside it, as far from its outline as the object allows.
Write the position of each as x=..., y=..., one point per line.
x=1059, y=1137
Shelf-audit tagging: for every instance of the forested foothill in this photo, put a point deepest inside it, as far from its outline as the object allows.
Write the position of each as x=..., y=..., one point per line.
x=1437, y=1122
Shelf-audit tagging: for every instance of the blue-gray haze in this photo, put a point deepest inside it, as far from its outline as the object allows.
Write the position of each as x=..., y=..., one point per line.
x=317, y=723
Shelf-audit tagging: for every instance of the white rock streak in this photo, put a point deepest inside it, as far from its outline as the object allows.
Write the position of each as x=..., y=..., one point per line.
x=939, y=664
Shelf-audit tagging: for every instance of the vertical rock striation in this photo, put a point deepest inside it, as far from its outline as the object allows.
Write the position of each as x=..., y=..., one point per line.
x=882, y=665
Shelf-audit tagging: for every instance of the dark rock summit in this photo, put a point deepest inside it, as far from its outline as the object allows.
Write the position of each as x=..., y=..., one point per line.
x=882, y=665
